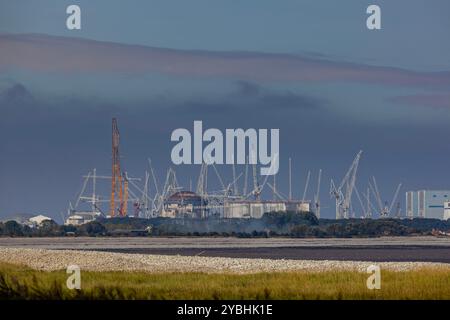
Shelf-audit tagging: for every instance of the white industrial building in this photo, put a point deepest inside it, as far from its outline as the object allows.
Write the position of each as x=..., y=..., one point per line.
x=187, y=204
x=38, y=220
x=427, y=204
x=81, y=217
x=32, y=221
x=447, y=210
x=256, y=209
x=251, y=209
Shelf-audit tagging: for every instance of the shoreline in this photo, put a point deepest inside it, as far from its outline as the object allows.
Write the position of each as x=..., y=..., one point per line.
x=52, y=260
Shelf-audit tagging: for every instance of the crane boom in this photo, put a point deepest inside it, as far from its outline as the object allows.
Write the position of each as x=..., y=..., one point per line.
x=306, y=186
x=116, y=177
x=394, y=199
x=343, y=199
x=317, y=195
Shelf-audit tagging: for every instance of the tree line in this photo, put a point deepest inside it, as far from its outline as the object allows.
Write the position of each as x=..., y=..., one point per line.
x=273, y=224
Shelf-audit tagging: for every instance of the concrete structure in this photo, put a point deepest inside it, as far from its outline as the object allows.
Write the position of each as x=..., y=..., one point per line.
x=184, y=204
x=298, y=206
x=426, y=203
x=187, y=204
x=251, y=209
x=447, y=210
x=78, y=218
x=29, y=220
x=256, y=209
x=37, y=221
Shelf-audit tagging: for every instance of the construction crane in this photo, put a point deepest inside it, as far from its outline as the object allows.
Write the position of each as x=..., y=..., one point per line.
x=144, y=198
x=394, y=199
x=306, y=186
x=117, y=183
x=317, y=195
x=290, y=179
x=360, y=202
x=386, y=209
x=124, y=204
x=171, y=184
x=368, y=206
x=245, y=177
x=398, y=211
x=274, y=190
x=343, y=197
x=235, y=186
x=256, y=187
x=374, y=187
x=202, y=182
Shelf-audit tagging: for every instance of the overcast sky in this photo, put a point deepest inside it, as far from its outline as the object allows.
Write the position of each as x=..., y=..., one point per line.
x=310, y=68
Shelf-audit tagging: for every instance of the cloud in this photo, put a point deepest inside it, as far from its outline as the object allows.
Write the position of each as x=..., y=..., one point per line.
x=267, y=98
x=425, y=100
x=16, y=94
x=245, y=97
x=62, y=54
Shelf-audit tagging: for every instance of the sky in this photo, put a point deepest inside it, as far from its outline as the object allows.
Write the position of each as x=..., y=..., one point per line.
x=310, y=68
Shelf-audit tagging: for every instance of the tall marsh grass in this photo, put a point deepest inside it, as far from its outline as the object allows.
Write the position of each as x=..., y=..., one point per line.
x=18, y=282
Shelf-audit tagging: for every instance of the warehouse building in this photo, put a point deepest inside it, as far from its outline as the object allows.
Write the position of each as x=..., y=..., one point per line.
x=256, y=209
x=427, y=203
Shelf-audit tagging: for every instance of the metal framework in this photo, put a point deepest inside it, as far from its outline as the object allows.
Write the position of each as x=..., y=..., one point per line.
x=343, y=197
x=119, y=185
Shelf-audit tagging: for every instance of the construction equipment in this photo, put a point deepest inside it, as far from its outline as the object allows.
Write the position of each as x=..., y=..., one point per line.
x=245, y=177
x=235, y=187
x=368, y=213
x=306, y=186
x=124, y=204
x=367, y=206
x=394, y=199
x=256, y=187
x=202, y=182
x=398, y=211
x=386, y=209
x=317, y=195
x=374, y=187
x=343, y=197
x=290, y=179
x=117, y=185
x=274, y=190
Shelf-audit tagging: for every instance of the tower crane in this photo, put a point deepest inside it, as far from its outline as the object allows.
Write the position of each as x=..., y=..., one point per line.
x=386, y=209
x=118, y=185
x=343, y=192
x=394, y=199
x=306, y=186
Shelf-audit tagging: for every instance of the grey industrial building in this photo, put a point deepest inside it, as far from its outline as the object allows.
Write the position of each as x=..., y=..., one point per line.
x=187, y=204
x=427, y=203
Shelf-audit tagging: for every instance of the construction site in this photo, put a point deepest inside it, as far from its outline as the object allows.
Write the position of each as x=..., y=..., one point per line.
x=146, y=197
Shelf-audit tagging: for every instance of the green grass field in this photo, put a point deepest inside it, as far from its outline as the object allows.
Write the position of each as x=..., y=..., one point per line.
x=17, y=282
